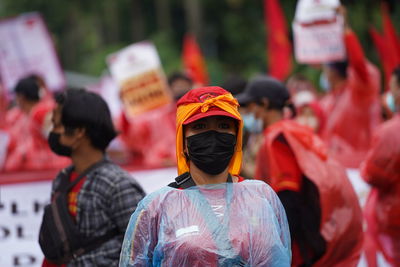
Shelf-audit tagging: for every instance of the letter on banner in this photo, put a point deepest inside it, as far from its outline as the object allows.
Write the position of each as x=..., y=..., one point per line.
x=318, y=32
x=138, y=72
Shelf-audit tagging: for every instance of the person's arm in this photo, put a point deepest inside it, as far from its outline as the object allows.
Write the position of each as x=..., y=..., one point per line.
x=125, y=197
x=381, y=168
x=355, y=54
x=300, y=198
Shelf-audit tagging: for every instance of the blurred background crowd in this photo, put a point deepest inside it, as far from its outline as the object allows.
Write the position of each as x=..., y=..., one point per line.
x=343, y=99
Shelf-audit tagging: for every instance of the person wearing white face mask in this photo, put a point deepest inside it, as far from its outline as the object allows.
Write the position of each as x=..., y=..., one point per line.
x=253, y=128
x=313, y=188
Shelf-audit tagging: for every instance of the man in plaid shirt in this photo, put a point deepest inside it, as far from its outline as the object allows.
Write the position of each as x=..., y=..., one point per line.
x=104, y=199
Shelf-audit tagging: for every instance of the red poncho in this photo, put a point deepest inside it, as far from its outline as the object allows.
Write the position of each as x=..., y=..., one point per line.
x=341, y=218
x=28, y=148
x=150, y=136
x=353, y=111
x=382, y=211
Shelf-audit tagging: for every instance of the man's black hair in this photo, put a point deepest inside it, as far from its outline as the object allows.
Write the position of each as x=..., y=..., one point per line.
x=83, y=109
x=178, y=76
x=29, y=88
x=396, y=73
x=340, y=67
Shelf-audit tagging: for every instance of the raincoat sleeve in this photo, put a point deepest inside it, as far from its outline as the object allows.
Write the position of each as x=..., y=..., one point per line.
x=140, y=236
x=356, y=55
x=363, y=77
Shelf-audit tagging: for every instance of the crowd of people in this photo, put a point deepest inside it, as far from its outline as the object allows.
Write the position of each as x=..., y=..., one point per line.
x=261, y=171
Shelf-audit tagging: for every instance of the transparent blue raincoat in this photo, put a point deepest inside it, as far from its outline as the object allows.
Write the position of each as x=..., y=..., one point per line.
x=229, y=224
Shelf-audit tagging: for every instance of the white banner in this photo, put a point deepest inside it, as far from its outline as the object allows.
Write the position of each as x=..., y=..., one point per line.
x=26, y=48
x=137, y=71
x=21, y=211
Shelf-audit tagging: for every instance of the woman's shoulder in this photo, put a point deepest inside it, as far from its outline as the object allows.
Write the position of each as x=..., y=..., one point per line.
x=257, y=187
x=160, y=196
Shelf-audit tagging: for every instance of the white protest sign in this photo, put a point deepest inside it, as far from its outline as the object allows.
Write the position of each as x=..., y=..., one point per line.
x=139, y=75
x=318, y=32
x=26, y=48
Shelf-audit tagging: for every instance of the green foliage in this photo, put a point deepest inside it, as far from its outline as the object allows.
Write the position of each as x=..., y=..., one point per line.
x=232, y=31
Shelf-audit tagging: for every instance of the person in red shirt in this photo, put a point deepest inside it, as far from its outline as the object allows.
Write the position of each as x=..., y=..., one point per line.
x=381, y=170
x=28, y=124
x=352, y=105
x=322, y=208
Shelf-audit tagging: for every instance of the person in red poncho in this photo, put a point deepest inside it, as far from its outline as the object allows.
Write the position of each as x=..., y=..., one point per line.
x=322, y=208
x=352, y=106
x=28, y=124
x=381, y=170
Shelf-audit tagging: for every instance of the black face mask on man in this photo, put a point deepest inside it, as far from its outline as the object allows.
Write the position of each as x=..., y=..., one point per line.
x=57, y=147
x=211, y=151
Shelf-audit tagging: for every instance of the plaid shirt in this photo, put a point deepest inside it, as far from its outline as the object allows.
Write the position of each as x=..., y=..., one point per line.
x=106, y=201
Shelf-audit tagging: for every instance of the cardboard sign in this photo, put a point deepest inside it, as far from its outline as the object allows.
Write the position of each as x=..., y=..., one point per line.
x=138, y=72
x=26, y=48
x=318, y=32
x=319, y=43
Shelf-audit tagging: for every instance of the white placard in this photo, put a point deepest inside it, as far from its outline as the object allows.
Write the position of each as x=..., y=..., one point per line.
x=26, y=48
x=137, y=71
x=319, y=43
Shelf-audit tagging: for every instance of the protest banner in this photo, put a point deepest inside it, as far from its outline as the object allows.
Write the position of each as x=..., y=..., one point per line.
x=26, y=48
x=137, y=71
x=318, y=32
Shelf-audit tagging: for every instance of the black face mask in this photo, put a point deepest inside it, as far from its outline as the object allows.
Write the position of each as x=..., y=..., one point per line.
x=57, y=147
x=211, y=151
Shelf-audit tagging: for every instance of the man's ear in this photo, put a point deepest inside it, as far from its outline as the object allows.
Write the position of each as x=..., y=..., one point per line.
x=80, y=132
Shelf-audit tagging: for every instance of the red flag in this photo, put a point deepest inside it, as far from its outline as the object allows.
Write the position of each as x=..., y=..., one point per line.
x=390, y=34
x=279, y=49
x=384, y=54
x=193, y=61
x=387, y=45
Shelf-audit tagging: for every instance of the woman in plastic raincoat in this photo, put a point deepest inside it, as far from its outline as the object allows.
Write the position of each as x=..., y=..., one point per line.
x=209, y=216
